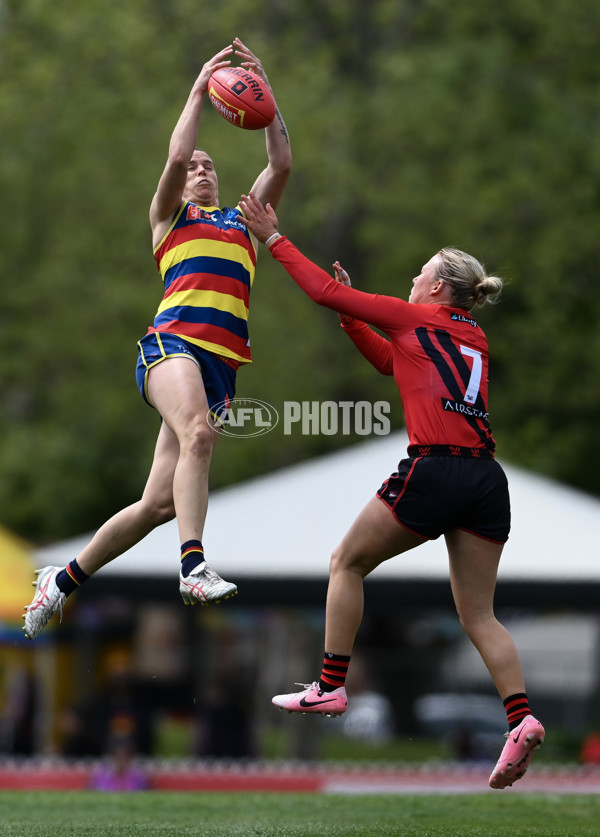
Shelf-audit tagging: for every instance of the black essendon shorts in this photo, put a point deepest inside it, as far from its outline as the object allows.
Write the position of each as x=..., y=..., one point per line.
x=431, y=495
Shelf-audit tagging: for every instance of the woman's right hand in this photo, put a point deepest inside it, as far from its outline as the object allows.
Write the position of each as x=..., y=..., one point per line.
x=340, y=275
x=215, y=63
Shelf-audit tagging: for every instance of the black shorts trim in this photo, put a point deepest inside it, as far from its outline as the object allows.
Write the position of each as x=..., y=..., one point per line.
x=431, y=495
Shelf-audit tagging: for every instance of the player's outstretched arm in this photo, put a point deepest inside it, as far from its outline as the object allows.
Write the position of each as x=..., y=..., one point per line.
x=167, y=198
x=385, y=312
x=271, y=182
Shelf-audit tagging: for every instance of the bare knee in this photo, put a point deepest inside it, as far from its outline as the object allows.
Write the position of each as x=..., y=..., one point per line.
x=344, y=560
x=474, y=624
x=164, y=513
x=464, y=623
x=199, y=440
x=465, y=620
x=158, y=511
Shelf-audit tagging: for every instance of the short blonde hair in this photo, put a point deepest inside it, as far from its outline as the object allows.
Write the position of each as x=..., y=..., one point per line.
x=467, y=279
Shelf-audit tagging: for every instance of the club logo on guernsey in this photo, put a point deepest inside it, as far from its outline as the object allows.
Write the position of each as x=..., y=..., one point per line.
x=196, y=213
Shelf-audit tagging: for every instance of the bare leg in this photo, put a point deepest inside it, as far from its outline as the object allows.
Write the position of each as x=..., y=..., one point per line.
x=176, y=389
x=374, y=537
x=177, y=485
x=473, y=570
x=178, y=479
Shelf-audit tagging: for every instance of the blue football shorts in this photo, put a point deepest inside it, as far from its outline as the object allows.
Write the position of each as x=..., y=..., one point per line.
x=218, y=375
x=431, y=495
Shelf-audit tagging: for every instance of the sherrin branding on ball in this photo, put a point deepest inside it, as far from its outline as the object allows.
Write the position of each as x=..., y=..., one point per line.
x=242, y=98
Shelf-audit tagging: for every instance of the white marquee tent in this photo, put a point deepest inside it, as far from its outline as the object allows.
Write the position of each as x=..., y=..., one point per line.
x=285, y=524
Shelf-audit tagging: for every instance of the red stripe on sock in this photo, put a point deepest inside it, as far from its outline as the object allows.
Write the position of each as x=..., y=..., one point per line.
x=336, y=683
x=335, y=666
x=516, y=702
x=334, y=672
x=190, y=550
x=71, y=576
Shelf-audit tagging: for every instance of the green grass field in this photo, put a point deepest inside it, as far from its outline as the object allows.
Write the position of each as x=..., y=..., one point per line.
x=66, y=814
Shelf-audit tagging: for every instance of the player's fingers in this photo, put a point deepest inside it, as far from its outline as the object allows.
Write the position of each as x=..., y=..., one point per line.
x=255, y=202
x=242, y=49
x=222, y=53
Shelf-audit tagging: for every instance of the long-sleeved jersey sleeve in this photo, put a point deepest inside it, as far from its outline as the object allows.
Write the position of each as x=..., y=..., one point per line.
x=385, y=312
x=375, y=348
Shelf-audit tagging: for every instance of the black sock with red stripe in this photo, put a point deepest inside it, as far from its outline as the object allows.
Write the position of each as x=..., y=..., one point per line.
x=517, y=707
x=335, y=669
x=72, y=577
x=192, y=554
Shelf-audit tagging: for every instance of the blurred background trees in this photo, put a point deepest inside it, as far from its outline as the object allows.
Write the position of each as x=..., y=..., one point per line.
x=414, y=124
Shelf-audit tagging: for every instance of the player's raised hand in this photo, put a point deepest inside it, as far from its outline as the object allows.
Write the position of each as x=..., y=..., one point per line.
x=249, y=60
x=215, y=63
x=262, y=221
x=340, y=275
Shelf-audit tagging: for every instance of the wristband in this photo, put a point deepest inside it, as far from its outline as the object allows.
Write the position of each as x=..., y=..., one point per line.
x=275, y=234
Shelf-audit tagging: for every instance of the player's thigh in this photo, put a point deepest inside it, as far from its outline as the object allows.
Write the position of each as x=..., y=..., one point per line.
x=375, y=536
x=473, y=572
x=176, y=390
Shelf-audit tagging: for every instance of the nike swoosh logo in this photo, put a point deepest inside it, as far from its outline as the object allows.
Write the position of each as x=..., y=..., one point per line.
x=304, y=702
x=516, y=738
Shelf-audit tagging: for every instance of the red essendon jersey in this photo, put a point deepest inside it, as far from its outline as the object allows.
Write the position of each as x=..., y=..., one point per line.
x=438, y=355
x=207, y=260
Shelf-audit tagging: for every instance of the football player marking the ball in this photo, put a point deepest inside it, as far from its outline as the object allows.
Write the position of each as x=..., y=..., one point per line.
x=188, y=359
x=449, y=485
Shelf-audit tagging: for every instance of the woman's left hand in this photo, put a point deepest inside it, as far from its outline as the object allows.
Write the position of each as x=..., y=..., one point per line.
x=251, y=61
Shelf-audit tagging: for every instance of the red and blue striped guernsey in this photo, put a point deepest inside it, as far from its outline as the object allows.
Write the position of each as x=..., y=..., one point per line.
x=207, y=261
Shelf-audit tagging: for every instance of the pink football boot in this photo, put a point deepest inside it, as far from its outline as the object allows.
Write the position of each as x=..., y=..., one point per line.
x=521, y=744
x=312, y=699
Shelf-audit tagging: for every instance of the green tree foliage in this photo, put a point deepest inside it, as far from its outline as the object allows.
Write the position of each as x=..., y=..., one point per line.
x=414, y=124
